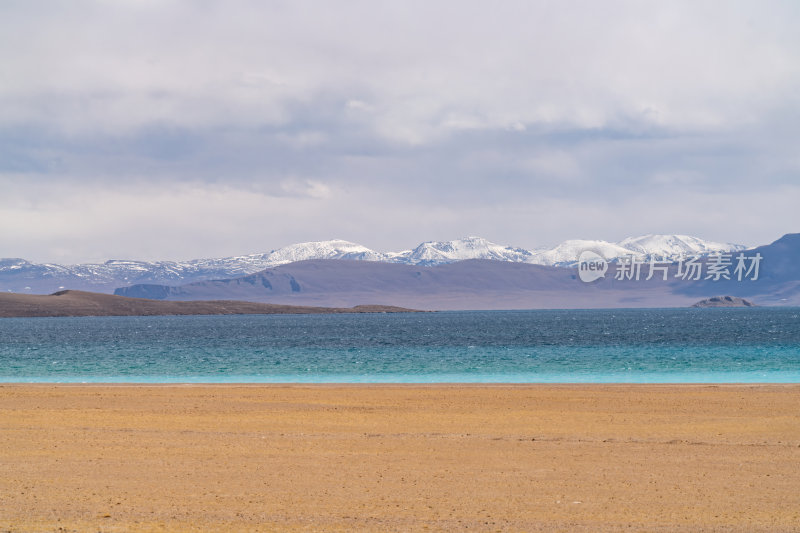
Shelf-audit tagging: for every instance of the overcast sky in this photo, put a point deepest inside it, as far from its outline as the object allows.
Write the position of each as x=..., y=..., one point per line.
x=175, y=130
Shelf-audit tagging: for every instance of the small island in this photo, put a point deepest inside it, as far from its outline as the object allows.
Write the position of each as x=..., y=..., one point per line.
x=724, y=301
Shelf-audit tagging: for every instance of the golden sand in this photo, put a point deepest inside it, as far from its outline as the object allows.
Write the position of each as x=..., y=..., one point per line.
x=400, y=458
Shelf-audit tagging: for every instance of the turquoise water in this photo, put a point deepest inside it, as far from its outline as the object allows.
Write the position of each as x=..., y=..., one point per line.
x=584, y=346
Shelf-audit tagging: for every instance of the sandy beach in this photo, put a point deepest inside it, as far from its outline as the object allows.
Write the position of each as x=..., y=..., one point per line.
x=400, y=458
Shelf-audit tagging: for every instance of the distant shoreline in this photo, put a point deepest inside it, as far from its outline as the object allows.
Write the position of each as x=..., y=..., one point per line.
x=83, y=304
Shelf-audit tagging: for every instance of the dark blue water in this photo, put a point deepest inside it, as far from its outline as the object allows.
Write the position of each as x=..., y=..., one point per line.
x=637, y=346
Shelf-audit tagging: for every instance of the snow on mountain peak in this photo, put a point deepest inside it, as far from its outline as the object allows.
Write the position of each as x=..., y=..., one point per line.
x=436, y=252
x=568, y=251
x=116, y=273
x=673, y=246
x=333, y=249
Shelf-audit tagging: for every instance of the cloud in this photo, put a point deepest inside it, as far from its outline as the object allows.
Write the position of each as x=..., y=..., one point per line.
x=390, y=123
x=420, y=66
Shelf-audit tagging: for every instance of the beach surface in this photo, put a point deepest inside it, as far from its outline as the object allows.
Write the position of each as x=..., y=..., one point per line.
x=400, y=458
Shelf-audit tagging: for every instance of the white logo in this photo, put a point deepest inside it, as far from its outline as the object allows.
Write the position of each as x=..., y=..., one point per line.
x=591, y=266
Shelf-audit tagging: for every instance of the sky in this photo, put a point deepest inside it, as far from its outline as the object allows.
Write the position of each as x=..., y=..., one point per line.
x=164, y=129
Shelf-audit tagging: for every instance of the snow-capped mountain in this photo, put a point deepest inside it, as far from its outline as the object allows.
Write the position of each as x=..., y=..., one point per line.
x=247, y=264
x=336, y=249
x=19, y=275
x=437, y=252
x=673, y=246
x=566, y=253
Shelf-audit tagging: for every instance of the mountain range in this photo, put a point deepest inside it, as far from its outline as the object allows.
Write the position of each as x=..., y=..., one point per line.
x=492, y=284
x=19, y=275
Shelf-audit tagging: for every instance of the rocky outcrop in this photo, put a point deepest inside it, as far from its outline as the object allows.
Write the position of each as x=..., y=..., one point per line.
x=724, y=301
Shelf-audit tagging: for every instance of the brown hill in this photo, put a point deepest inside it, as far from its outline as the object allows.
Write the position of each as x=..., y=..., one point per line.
x=80, y=303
